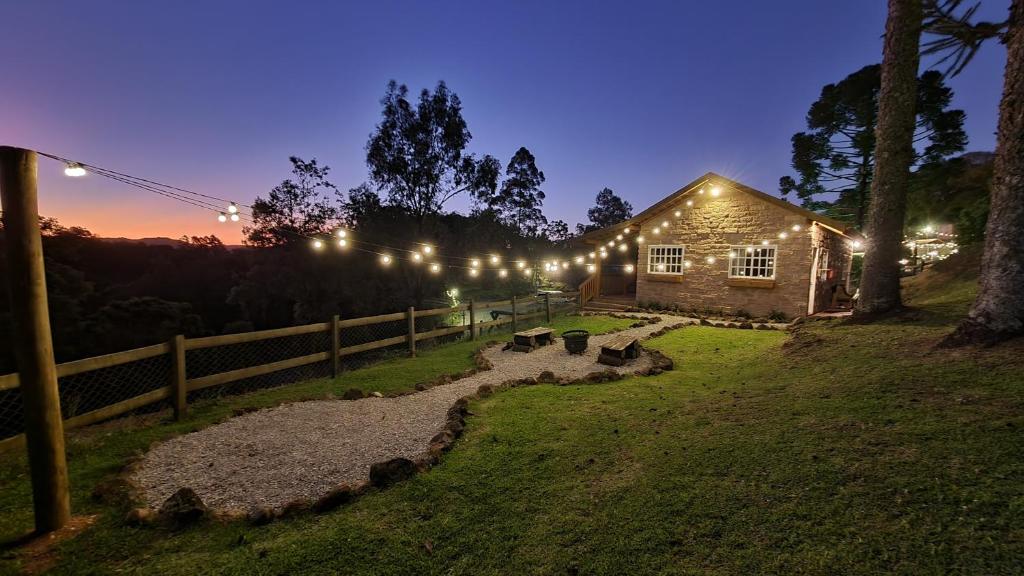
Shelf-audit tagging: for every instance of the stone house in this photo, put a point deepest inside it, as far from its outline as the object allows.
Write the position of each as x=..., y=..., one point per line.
x=716, y=245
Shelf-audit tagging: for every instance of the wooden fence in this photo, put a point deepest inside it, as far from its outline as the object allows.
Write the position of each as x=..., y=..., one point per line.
x=178, y=386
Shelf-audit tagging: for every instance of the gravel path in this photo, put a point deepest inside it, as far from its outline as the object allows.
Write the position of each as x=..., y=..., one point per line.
x=305, y=449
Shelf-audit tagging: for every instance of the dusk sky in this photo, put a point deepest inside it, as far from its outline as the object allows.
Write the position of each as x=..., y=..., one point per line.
x=641, y=97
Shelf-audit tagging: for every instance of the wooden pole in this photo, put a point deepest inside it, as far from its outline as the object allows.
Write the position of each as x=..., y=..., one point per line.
x=33, y=344
x=547, y=307
x=179, y=390
x=472, y=320
x=410, y=314
x=514, y=314
x=335, y=346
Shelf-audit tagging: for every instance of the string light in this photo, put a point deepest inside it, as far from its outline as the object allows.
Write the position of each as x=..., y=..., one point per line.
x=342, y=233
x=687, y=264
x=678, y=213
x=495, y=259
x=604, y=255
x=385, y=259
x=435, y=267
x=711, y=259
x=234, y=217
x=664, y=224
x=796, y=227
x=591, y=255
x=473, y=272
x=715, y=191
x=343, y=243
x=222, y=217
x=764, y=242
x=427, y=248
x=579, y=259
x=233, y=208
x=622, y=247
x=528, y=272
x=626, y=230
x=639, y=239
x=701, y=191
x=689, y=202
x=502, y=273
x=611, y=243
x=565, y=265
x=520, y=264
x=74, y=169
x=591, y=267
x=318, y=244
x=656, y=231
x=619, y=237
x=417, y=257
x=629, y=268
x=783, y=235
x=474, y=263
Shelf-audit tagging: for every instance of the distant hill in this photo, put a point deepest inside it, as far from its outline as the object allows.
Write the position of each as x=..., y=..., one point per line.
x=161, y=241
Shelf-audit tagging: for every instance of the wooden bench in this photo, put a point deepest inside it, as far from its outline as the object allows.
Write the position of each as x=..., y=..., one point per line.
x=618, y=350
x=529, y=340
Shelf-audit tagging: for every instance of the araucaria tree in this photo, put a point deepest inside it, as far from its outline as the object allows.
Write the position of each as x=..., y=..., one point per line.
x=998, y=310
x=894, y=150
x=608, y=209
x=296, y=208
x=837, y=152
x=518, y=202
x=417, y=154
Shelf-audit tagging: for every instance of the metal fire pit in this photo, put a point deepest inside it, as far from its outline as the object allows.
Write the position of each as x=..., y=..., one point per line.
x=575, y=341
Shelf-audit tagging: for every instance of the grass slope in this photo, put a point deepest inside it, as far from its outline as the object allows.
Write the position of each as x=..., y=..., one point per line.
x=842, y=449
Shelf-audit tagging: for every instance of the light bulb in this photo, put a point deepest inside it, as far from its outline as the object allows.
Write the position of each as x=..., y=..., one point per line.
x=579, y=259
x=234, y=217
x=656, y=231
x=611, y=243
x=783, y=235
x=591, y=255
x=473, y=272
x=385, y=259
x=222, y=217
x=427, y=249
x=664, y=224
x=74, y=169
x=716, y=190
x=619, y=237
x=520, y=264
x=764, y=242
x=474, y=263
x=232, y=208
x=626, y=230
x=622, y=247
x=318, y=244
x=711, y=259
x=689, y=202
x=342, y=243
x=796, y=227
x=639, y=239
x=687, y=264
x=342, y=233
x=678, y=213
x=629, y=267
x=435, y=268
x=494, y=259
x=565, y=264
x=417, y=257
x=502, y=273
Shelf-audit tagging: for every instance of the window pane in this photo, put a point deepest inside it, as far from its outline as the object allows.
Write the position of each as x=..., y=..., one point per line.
x=752, y=261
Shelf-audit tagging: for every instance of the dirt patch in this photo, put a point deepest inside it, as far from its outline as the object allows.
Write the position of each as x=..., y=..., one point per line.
x=38, y=554
x=801, y=341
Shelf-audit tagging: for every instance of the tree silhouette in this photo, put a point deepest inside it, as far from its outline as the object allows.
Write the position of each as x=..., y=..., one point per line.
x=518, y=202
x=837, y=153
x=608, y=209
x=295, y=208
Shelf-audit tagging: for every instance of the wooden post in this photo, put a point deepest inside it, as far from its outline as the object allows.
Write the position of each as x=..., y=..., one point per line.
x=547, y=307
x=514, y=314
x=410, y=314
x=179, y=389
x=33, y=343
x=335, y=346
x=472, y=320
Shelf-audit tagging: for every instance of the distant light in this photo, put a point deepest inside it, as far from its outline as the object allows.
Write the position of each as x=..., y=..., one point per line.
x=764, y=242
x=474, y=263
x=715, y=191
x=74, y=169
x=232, y=208
x=783, y=235
x=318, y=244
x=619, y=237
x=474, y=272
x=417, y=257
x=656, y=231
x=503, y=273
x=427, y=248
x=664, y=224
x=342, y=233
x=622, y=247
x=796, y=227
x=678, y=213
x=222, y=217
x=687, y=264
x=639, y=239
x=495, y=259
x=520, y=264
x=579, y=259
x=629, y=268
x=435, y=267
x=689, y=202
x=385, y=259
x=342, y=243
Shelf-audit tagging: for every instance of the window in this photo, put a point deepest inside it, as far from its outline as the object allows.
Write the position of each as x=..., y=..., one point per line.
x=823, y=265
x=665, y=259
x=752, y=262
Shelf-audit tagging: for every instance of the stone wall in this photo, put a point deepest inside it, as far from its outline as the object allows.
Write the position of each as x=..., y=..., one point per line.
x=709, y=228
x=840, y=256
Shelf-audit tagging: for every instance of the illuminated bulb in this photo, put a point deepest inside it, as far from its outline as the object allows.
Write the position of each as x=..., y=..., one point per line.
x=626, y=230
x=417, y=257
x=565, y=265
x=678, y=213
x=711, y=259
x=656, y=231
x=473, y=272
x=856, y=244
x=904, y=261
x=639, y=239
x=385, y=259
x=74, y=169
x=579, y=259
x=664, y=224
x=661, y=267
x=591, y=255
x=715, y=191
x=494, y=259
x=342, y=233
x=604, y=254
x=591, y=267
x=222, y=217
x=783, y=235
x=427, y=249
x=527, y=272
x=474, y=263
x=701, y=191
x=764, y=242
x=502, y=273
x=622, y=247
x=796, y=227
x=342, y=242
x=687, y=264
x=520, y=264
x=629, y=267
x=318, y=244
x=232, y=208
x=234, y=217
x=749, y=250
x=611, y=243
x=689, y=202
x=619, y=237
x=435, y=268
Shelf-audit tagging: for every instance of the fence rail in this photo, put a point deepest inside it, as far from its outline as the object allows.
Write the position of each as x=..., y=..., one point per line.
x=103, y=387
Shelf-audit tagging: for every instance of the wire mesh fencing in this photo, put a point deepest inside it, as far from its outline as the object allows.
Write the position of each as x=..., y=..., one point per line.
x=144, y=379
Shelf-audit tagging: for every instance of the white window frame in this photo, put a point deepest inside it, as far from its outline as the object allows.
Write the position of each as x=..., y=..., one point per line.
x=739, y=253
x=823, y=265
x=669, y=260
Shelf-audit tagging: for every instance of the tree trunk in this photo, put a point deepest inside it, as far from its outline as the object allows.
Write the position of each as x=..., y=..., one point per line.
x=894, y=153
x=998, y=311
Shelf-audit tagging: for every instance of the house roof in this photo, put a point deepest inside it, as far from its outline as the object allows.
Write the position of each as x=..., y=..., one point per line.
x=712, y=178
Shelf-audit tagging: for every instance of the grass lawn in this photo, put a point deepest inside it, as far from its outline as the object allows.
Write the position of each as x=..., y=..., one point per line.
x=842, y=449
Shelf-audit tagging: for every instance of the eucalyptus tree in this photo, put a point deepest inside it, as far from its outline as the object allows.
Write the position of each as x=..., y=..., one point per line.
x=302, y=206
x=837, y=152
x=518, y=201
x=608, y=209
